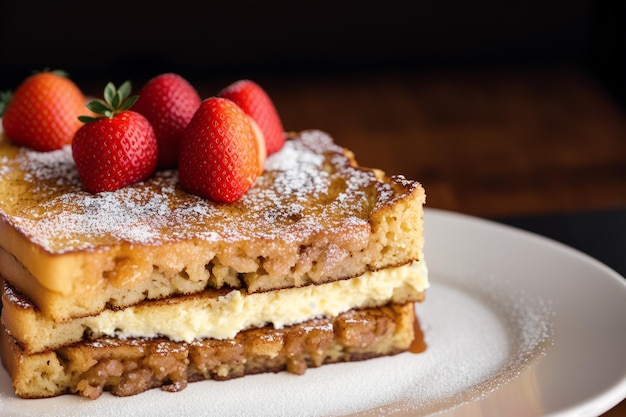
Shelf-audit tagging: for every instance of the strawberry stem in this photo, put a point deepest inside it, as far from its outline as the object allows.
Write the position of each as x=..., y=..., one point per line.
x=116, y=100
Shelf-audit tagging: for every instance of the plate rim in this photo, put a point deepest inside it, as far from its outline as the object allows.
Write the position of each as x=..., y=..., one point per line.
x=613, y=394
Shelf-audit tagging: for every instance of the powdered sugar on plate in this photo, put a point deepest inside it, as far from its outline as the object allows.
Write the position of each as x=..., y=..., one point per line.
x=479, y=337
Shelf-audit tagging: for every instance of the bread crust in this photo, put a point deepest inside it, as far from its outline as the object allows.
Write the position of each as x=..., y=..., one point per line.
x=128, y=367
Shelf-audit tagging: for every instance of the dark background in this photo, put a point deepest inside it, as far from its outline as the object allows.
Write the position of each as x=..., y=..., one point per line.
x=118, y=40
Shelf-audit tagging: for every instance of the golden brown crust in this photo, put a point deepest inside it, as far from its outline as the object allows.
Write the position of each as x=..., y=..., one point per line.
x=127, y=367
x=313, y=217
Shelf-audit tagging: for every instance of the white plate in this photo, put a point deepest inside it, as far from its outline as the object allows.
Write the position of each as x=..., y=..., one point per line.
x=516, y=325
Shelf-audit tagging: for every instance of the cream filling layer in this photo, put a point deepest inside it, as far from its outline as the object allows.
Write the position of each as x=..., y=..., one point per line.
x=225, y=316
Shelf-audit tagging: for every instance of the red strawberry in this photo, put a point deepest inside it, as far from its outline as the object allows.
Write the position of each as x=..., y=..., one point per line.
x=218, y=153
x=117, y=149
x=260, y=145
x=43, y=112
x=169, y=102
x=255, y=102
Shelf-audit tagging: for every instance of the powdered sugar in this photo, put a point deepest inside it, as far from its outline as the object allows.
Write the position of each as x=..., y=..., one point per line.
x=4, y=166
x=306, y=186
x=56, y=166
x=292, y=157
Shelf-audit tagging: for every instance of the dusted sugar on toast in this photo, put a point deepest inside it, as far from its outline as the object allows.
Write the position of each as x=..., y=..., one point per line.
x=314, y=216
x=242, y=250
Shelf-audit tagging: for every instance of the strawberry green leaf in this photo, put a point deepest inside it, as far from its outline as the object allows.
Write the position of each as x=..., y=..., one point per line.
x=124, y=90
x=116, y=100
x=109, y=94
x=60, y=73
x=128, y=103
x=97, y=107
x=5, y=99
x=87, y=119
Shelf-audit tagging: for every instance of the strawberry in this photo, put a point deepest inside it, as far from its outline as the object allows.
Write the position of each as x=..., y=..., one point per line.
x=255, y=102
x=260, y=145
x=218, y=152
x=43, y=112
x=117, y=149
x=169, y=102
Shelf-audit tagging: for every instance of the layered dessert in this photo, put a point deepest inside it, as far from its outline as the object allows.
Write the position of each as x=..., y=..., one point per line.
x=320, y=261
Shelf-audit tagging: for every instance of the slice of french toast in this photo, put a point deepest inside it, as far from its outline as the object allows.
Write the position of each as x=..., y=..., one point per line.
x=313, y=217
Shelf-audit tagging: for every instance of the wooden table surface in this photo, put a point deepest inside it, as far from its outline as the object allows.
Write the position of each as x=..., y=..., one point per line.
x=487, y=143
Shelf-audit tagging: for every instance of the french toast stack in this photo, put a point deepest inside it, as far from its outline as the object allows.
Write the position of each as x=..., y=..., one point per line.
x=150, y=286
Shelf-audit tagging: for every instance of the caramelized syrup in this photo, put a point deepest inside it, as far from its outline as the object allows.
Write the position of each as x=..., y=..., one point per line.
x=418, y=345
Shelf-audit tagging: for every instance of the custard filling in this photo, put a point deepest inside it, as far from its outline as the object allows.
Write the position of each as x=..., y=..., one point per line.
x=224, y=316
